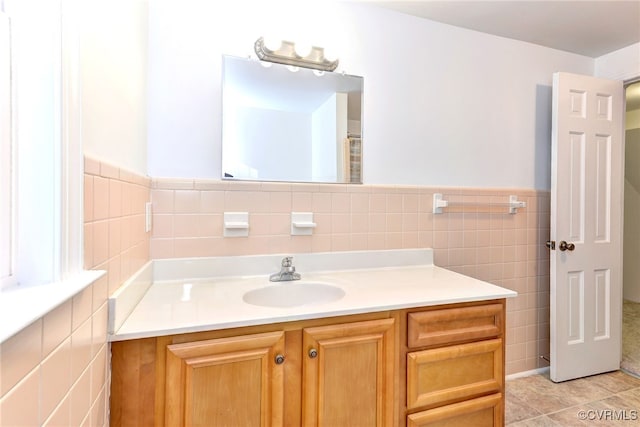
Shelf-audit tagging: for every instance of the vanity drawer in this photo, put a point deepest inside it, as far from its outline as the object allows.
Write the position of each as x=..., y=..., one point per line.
x=484, y=411
x=453, y=325
x=442, y=375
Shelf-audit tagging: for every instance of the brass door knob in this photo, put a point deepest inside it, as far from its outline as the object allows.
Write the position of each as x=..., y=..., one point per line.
x=564, y=246
x=313, y=353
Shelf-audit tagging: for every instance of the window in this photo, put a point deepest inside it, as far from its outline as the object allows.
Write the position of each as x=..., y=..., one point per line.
x=40, y=162
x=6, y=168
x=41, y=157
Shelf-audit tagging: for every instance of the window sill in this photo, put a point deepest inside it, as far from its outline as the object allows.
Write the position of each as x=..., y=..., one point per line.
x=22, y=306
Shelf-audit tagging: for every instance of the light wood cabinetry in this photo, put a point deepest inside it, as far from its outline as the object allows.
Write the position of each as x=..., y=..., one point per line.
x=226, y=381
x=429, y=366
x=481, y=411
x=326, y=372
x=446, y=326
x=348, y=374
x=454, y=372
x=455, y=366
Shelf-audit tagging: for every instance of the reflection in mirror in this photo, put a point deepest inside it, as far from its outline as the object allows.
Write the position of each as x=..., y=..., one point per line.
x=283, y=123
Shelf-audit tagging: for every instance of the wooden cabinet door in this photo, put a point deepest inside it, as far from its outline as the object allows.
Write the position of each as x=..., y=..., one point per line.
x=348, y=374
x=225, y=382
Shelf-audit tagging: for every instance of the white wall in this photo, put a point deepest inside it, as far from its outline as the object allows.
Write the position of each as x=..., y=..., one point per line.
x=113, y=62
x=442, y=105
x=622, y=64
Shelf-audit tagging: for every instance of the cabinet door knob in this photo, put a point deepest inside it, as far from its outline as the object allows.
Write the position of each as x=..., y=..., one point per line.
x=279, y=359
x=313, y=353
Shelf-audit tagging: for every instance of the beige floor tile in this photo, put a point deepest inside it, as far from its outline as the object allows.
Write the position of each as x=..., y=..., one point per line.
x=632, y=396
x=582, y=390
x=571, y=417
x=615, y=382
x=542, y=421
x=613, y=411
x=542, y=394
x=609, y=399
x=631, y=337
x=518, y=410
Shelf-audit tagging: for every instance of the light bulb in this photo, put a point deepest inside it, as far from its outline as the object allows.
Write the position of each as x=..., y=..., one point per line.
x=330, y=54
x=303, y=49
x=272, y=43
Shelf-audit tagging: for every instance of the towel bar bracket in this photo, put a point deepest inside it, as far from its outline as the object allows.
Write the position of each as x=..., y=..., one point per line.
x=439, y=203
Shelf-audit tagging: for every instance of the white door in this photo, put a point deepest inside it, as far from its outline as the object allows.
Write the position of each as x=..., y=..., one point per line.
x=586, y=226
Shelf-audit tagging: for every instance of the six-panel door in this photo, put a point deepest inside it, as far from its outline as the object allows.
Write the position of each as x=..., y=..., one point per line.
x=587, y=180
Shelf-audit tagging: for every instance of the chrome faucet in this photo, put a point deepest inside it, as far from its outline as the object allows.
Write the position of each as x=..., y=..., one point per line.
x=287, y=271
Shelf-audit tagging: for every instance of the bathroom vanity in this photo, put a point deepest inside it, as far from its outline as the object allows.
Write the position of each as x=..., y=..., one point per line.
x=407, y=344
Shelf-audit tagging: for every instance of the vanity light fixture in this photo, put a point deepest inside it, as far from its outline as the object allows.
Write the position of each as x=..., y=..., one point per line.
x=286, y=54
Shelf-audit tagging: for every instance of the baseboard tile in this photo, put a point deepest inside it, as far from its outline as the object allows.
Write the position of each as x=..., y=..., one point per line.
x=527, y=373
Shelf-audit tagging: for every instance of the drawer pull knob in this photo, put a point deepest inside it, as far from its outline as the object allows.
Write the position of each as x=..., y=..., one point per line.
x=279, y=359
x=313, y=353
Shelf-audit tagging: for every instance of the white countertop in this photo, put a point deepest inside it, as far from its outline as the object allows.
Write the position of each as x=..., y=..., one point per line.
x=169, y=307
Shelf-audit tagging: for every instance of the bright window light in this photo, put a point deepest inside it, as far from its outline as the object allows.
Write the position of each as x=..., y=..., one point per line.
x=6, y=181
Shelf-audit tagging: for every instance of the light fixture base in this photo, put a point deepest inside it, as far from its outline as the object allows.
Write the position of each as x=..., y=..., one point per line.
x=286, y=54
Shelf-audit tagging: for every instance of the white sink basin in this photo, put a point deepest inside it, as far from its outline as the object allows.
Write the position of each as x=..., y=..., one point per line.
x=293, y=294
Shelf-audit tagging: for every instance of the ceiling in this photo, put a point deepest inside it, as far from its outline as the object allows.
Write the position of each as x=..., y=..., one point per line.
x=590, y=28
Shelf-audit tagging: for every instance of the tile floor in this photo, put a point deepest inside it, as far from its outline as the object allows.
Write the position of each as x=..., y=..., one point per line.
x=631, y=337
x=610, y=399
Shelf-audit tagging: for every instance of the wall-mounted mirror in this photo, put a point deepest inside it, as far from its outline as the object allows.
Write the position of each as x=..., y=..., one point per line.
x=286, y=124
